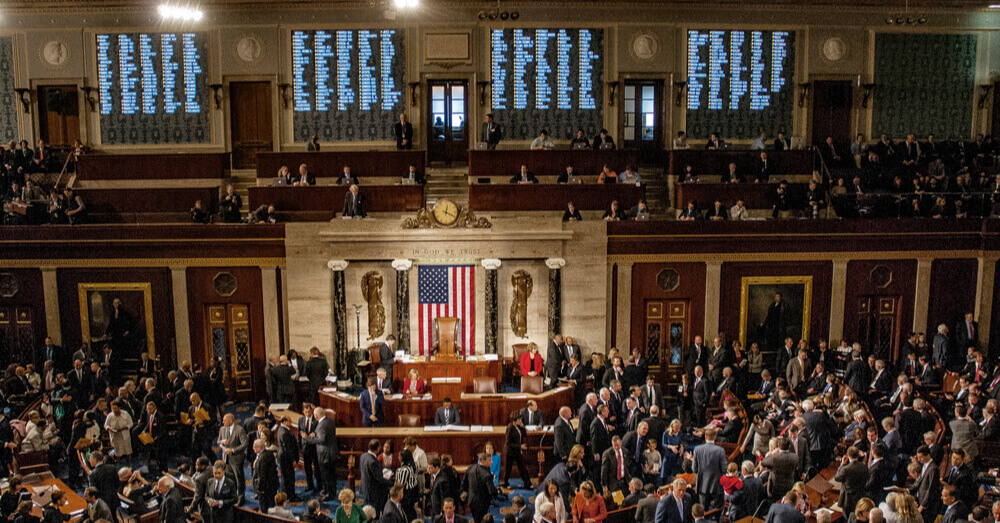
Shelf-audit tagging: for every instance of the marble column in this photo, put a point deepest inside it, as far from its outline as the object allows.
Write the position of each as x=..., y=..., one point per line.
x=339, y=318
x=182, y=328
x=984, y=298
x=838, y=296
x=713, y=282
x=492, y=307
x=921, y=298
x=623, y=314
x=402, y=267
x=269, y=295
x=555, y=266
x=50, y=292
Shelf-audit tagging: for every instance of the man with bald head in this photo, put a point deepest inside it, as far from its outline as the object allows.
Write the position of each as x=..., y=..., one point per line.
x=565, y=437
x=201, y=416
x=283, y=386
x=233, y=441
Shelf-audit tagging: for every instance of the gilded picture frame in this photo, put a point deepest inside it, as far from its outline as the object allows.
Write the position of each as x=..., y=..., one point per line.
x=758, y=323
x=92, y=295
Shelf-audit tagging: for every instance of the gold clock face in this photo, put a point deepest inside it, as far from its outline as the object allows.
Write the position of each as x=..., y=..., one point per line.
x=445, y=212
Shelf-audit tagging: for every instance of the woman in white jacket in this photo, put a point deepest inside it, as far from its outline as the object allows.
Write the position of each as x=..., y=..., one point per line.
x=550, y=494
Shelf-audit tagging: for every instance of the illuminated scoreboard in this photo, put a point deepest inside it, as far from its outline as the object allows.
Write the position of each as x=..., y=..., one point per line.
x=547, y=79
x=740, y=82
x=347, y=85
x=153, y=88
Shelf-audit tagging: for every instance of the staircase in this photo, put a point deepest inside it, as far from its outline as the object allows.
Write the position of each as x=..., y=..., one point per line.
x=447, y=182
x=241, y=179
x=657, y=191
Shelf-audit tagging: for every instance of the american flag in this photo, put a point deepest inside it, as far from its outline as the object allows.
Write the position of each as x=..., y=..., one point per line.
x=447, y=291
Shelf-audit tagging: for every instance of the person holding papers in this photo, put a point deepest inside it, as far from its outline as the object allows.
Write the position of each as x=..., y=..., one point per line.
x=372, y=402
x=447, y=414
x=201, y=417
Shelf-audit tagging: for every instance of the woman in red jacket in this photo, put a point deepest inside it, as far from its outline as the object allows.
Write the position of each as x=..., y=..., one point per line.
x=531, y=361
x=413, y=384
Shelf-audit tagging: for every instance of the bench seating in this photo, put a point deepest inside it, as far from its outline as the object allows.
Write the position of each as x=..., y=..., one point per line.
x=552, y=197
x=319, y=203
x=163, y=205
x=330, y=164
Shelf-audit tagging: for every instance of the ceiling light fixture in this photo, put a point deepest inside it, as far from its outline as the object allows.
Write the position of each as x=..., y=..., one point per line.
x=170, y=12
x=406, y=4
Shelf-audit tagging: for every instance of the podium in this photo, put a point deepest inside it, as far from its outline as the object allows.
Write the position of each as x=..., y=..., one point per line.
x=447, y=335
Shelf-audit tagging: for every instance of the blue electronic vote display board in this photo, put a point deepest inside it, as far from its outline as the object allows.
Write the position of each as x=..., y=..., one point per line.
x=547, y=79
x=740, y=82
x=153, y=88
x=347, y=85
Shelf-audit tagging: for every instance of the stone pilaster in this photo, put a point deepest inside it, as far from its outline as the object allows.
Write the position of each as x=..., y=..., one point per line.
x=838, y=296
x=623, y=313
x=402, y=267
x=182, y=328
x=921, y=298
x=555, y=266
x=713, y=284
x=492, y=307
x=272, y=308
x=50, y=291
x=340, y=319
x=984, y=298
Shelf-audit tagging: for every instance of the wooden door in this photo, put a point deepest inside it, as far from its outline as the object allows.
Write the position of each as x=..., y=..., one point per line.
x=228, y=340
x=641, y=116
x=832, y=103
x=878, y=326
x=447, y=125
x=250, y=122
x=667, y=333
x=58, y=115
x=17, y=334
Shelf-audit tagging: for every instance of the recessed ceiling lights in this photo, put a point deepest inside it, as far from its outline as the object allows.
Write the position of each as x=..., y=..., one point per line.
x=170, y=12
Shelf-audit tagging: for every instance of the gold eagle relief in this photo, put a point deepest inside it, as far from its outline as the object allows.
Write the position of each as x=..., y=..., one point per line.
x=371, y=290
x=521, y=281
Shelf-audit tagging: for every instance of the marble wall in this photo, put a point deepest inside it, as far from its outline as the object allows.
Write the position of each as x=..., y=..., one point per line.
x=519, y=243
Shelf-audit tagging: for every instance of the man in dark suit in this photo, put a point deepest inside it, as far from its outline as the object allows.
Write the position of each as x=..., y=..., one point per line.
x=283, y=387
x=615, y=473
x=634, y=445
x=695, y=355
x=853, y=475
x=880, y=472
x=96, y=509
x=316, y=370
x=785, y=512
x=710, y=463
x=522, y=514
x=530, y=415
x=348, y=178
x=303, y=177
x=202, y=475
x=782, y=464
x=372, y=402
x=51, y=352
x=79, y=381
x=555, y=359
x=374, y=488
x=615, y=372
x=354, y=204
x=675, y=507
x=962, y=476
x=325, y=438
x=515, y=445
x=989, y=427
x=523, y=177
x=651, y=394
x=403, y=130
x=221, y=495
x=701, y=391
x=153, y=424
x=574, y=376
x=856, y=375
x=310, y=461
x=585, y=416
x=104, y=477
x=745, y=500
x=926, y=486
x=201, y=416
x=645, y=509
x=600, y=439
x=265, y=475
x=478, y=487
x=447, y=513
x=415, y=176
x=288, y=455
x=956, y=510
x=447, y=414
x=967, y=332
x=634, y=495
x=172, y=502
x=233, y=441
x=564, y=436
x=492, y=134
x=942, y=351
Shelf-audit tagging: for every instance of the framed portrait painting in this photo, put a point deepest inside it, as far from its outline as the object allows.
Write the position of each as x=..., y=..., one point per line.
x=773, y=308
x=118, y=315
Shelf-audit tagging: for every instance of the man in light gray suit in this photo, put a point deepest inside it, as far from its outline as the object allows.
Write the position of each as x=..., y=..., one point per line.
x=782, y=464
x=233, y=441
x=798, y=370
x=964, y=433
x=709, y=462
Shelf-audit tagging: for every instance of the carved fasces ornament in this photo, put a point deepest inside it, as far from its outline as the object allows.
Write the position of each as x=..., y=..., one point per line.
x=371, y=290
x=521, y=281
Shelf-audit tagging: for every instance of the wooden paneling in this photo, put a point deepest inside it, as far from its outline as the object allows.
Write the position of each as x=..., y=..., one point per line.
x=330, y=164
x=201, y=293
x=142, y=241
x=161, y=288
x=754, y=195
x=250, y=121
x=152, y=166
x=952, y=292
x=690, y=286
x=860, y=283
x=320, y=202
x=146, y=205
x=26, y=294
x=585, y=162
x=730, y=288
x=707, y=163
x=539, y=197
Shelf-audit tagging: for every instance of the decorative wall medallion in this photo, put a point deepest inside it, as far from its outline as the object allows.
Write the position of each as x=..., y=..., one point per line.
x=834, y=49
x=249, y=49
x=881, y=276
x=8, y=285
x=225, y=284
x=644, y=46
x=55, y=52
x=668, y=280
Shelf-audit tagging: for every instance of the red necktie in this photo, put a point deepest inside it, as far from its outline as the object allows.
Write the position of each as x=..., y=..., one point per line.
x=621, y=470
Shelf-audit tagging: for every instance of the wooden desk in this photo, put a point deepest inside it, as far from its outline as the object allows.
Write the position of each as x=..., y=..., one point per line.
x=72, y=501
x=708, y=163
x=435, y=368
x=754, y=195
x=585, y=162
x=320, y=202
x=168, y=204
x=152, y=166
x=475, y=409
x=330, y=164
x=538, y=197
